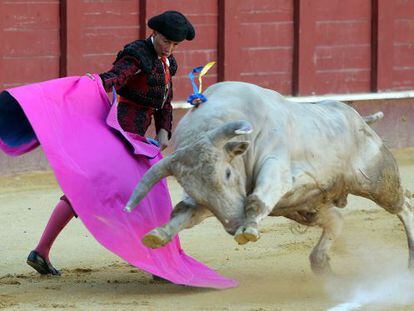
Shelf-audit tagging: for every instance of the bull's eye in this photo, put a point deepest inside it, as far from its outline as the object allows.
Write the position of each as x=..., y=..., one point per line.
x=228, y=173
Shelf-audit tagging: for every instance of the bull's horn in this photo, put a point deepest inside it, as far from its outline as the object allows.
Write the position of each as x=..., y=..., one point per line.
x=230, y=129
x=158, y=171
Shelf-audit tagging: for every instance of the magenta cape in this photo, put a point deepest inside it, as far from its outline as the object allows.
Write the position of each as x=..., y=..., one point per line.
x=98, y=172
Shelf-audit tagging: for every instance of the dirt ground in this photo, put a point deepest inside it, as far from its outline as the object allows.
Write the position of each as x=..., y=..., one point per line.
x=369, y=260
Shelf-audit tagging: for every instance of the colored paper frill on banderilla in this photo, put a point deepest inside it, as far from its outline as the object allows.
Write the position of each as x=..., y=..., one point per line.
x=198, y=97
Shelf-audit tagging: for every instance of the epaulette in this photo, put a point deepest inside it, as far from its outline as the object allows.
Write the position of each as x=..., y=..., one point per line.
x=140, y=50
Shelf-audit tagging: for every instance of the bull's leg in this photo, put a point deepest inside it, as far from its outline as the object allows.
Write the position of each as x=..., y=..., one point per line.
x=331, y=222
x=272, y=182
x=406, y=215
x=381, y=183
x=186, y=214
x=405, y=212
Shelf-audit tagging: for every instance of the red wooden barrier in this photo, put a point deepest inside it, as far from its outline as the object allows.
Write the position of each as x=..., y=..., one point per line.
x=299, y=47
x=30, y=41
x=259, y=43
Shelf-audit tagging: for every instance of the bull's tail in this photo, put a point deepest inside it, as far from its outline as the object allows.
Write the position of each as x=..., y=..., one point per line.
x=372, y=118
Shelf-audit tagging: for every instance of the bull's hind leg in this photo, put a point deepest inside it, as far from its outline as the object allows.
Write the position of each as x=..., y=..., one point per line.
x=331, y=222
x=185, y=215
x=406, y=215
x=382, y=185
x=405, y=212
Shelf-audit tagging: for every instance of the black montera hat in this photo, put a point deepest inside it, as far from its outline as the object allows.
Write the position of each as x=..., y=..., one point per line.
x=173, y=25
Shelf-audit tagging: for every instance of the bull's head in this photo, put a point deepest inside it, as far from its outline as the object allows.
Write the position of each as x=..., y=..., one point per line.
x=210, y=170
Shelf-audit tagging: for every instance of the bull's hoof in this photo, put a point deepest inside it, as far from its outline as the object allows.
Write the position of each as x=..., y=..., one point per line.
x=322, y=270
x=156, y=238
x=246, y=234
x=411, y=265
x=320, y=264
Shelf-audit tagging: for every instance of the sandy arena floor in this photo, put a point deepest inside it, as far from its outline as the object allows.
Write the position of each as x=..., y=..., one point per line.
x=274, y=274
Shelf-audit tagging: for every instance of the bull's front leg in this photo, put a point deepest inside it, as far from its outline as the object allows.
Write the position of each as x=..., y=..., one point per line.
x=272, y=182
x=185, y=214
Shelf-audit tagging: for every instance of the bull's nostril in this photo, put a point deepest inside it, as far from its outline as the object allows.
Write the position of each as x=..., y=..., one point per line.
x=232, y=226
x=231, y=230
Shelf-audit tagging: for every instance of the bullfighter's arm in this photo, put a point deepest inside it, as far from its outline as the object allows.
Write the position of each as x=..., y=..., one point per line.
x=120, y=73
x=163, y=117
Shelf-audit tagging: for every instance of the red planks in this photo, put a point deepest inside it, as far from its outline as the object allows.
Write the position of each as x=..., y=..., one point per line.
x=304, y=65
x=30, y=41
x=293, y=46
x=403, y=43
x=259, y=43
x=96, y=31
x=385, y=43
x=333, y=39
x=395, y=39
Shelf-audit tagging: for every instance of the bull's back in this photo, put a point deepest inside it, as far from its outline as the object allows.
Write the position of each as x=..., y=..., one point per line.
x=327, y=127
x=333, y=133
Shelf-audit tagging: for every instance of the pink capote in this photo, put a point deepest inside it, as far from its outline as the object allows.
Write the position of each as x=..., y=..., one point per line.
x=98, y=172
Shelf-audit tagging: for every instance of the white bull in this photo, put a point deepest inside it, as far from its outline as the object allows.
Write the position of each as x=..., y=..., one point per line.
x=301, y=161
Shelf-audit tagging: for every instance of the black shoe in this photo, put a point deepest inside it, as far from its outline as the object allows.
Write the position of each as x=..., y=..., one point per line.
x=159, y=279
x=41, y=265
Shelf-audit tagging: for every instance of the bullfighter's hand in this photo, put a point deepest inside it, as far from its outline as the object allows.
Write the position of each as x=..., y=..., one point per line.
x=90, y=76
x=162, y=138
x=109, y=94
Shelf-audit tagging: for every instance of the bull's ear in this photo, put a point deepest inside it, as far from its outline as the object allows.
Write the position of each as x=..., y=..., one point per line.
x=236, y=148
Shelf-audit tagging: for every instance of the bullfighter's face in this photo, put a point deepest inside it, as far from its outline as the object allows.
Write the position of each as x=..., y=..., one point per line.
x=163, y=46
